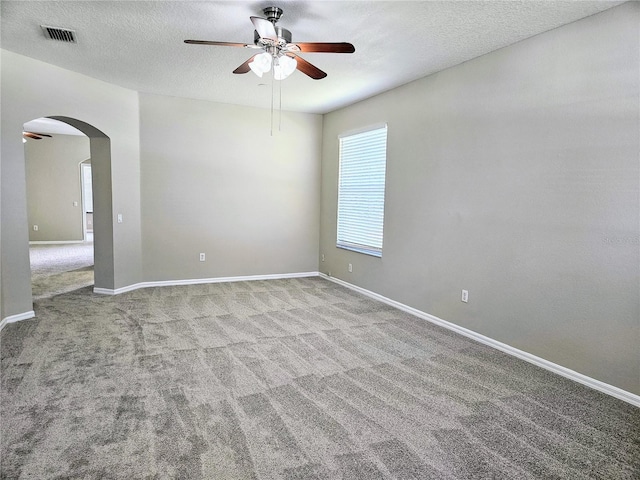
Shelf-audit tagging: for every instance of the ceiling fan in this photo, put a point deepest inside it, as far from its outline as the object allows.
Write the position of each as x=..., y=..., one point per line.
x=278, y=50
x=35, y=136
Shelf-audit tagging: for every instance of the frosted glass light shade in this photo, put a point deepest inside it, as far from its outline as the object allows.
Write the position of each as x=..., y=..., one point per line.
x=283, y=67
x=261, y=64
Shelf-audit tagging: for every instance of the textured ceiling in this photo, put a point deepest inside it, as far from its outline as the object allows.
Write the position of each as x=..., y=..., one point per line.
x=49, y=125
x=139, y=45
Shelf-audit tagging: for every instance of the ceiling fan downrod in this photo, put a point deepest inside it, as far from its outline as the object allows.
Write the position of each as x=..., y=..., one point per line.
x=272, y=14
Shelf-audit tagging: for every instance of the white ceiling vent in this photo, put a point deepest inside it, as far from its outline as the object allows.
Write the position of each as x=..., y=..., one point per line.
x=59, y=34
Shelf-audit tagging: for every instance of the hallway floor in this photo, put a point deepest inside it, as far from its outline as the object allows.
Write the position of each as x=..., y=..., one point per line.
x=60, y=268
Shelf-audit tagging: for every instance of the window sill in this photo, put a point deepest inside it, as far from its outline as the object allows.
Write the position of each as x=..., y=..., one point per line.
x=364, y=250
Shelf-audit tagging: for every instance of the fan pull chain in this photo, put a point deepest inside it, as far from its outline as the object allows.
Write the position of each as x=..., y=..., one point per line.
x=273, y=77
x=280, y=107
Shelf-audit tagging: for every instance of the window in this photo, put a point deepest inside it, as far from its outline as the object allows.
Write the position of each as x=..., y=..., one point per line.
x=363, y=159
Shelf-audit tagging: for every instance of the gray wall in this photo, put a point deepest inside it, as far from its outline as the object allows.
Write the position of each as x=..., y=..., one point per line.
x=53, y=185
x=515, y=176
x=215, y=181
x=25, y=95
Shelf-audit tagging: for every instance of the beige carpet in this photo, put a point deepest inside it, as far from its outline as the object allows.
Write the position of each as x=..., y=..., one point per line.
x=286, y=379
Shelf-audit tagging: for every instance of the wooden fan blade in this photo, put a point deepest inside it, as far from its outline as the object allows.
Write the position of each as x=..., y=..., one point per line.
x=31, y=135
x=41, y=134
x=265, y=28
x=244, y=68
x=307, y=68
x=324, y=47
x=220, y=44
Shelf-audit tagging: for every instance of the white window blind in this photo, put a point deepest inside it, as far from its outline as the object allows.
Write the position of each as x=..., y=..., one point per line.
x=363, y=159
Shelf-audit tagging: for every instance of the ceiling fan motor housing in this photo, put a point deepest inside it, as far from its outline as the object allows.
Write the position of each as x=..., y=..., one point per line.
x=284, y=36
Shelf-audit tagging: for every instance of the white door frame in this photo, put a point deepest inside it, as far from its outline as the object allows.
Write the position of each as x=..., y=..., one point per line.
x=83, y=167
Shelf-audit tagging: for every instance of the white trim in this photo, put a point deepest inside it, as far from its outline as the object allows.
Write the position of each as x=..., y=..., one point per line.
x=54, y=242
x=365, y=129
x=17, y=318
x=198, y=281
x=528, y=357
x=83, y=187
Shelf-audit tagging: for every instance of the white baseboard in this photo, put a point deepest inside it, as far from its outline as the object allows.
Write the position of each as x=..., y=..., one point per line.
x=198, y=281
x=54, y=242
x=17, y=318
x=528, y=357
x=540, y=362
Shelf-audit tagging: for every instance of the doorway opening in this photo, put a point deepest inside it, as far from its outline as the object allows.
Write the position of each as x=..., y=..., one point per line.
x=87, y=200
x=68, y=166
x=60, y=260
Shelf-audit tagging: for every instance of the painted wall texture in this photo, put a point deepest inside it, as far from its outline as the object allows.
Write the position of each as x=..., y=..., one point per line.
x=215, y=181
x=515, y=176
x=26, y=94
x=53, y=185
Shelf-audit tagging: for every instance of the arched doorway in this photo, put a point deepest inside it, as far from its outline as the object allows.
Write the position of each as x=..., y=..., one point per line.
x=100, y=154
x=60, y=257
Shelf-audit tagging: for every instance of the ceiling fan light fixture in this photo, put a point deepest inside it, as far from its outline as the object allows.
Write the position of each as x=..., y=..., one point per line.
x=261, y=64
x=284, y=66
x=276, y=43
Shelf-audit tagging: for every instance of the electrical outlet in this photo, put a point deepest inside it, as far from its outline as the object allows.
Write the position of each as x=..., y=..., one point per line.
x=35, y=228
x=465, y=296
x=202, y=257
x=75, y=204
x=350, y=268
x=119, y=218
x=323, y=257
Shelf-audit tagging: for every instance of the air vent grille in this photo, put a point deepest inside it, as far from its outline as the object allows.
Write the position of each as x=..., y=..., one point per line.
x=59, y=34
